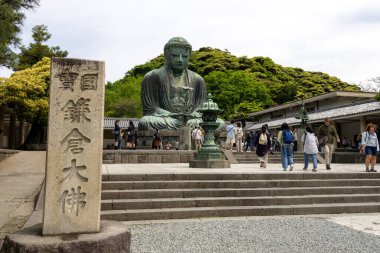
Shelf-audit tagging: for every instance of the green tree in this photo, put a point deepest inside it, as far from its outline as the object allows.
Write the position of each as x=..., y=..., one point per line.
x=27, y=92
x=12, y=17
x=122, y=98
x=37, y=50
x=238, y=93
x=240, y=85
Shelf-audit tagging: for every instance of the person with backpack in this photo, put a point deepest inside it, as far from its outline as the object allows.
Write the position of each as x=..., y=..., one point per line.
x=263, y=145
x=286, y=138
x=370, y=146
x=239, y=137
x=310, y=147
x=326, y=135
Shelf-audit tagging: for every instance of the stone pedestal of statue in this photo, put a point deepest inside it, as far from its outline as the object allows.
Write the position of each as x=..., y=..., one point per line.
x=184, y=138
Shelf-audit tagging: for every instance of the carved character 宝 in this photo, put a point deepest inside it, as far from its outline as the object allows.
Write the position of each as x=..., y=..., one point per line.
x=89, y=82
x=67, y=79
x=77, y=111
x=73, y=170
x=72, y=201
x=74, y=141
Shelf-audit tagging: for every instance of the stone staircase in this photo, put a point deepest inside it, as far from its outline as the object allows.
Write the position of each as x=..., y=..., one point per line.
x=181, y=196
x=251, y=157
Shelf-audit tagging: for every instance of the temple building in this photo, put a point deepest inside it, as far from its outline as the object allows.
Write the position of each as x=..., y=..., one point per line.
x=350, y=111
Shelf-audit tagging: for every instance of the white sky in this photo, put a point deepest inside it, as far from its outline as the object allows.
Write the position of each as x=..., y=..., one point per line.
x=338, y=37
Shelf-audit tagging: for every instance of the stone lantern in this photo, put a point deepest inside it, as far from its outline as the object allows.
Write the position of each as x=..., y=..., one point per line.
x=210, y=155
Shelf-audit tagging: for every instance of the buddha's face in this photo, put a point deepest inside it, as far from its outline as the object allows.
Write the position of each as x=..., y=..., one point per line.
x=177, y=59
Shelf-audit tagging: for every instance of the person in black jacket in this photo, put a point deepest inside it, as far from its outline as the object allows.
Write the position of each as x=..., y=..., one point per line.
x=263, y=145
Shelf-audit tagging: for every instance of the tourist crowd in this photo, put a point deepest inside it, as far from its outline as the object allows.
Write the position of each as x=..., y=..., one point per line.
x=264, y=142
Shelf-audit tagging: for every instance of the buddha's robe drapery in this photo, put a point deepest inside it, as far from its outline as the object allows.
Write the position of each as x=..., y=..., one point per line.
x=170, y=102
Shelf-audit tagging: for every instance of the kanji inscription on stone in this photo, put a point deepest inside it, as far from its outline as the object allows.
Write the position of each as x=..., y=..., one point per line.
x=78, y=111
x=74, y=171
x=72, y=200
x=75, y=147
x=74, y=141
x=67, y=79
x=89, y=82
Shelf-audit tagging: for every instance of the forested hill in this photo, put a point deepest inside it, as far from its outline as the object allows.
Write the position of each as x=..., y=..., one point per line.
x=240, y=85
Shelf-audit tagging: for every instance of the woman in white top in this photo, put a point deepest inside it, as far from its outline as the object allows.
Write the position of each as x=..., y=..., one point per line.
x=239, y=137
x=370, y=145
x=310, y=147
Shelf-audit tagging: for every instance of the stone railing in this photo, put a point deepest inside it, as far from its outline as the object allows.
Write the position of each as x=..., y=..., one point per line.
x=5, y=153
x=147, y=156
x=349, y=157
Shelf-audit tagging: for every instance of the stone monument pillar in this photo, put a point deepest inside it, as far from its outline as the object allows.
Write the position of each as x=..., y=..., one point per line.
x=73, y=168
x=74, y=150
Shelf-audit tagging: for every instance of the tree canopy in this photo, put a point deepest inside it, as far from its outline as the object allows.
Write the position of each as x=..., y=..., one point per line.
x=240, y=85
x=27, y=92
x=12, y=17
x=37, y=50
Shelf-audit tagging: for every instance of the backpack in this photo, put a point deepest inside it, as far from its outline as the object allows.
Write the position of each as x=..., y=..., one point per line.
x=263, y=139
x=287, y=137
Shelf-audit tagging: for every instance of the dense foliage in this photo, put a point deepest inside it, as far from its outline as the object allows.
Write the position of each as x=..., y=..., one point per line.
x=37, y=50
x=11, y=19
x=240, y=85
x=27, y=92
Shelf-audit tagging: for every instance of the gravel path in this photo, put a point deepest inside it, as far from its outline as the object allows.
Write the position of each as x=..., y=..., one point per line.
x=294, y=234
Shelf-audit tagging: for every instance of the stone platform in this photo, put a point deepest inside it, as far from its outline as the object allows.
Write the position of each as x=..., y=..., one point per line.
x=114, y=237
x=147, y=156
x=137, y=192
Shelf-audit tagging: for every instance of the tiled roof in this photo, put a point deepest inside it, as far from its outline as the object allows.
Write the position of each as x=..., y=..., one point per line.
x=109, y=123
x=334, y=113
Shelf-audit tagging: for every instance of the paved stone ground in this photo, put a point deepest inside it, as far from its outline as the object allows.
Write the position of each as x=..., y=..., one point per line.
x=22, y=174
x=144, y=168
x=251, y=234
x=21, y=177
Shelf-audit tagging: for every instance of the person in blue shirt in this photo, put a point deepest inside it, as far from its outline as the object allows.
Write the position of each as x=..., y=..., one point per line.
x=231, y=131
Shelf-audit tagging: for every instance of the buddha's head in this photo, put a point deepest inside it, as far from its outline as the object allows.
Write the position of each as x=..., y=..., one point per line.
x=177, y=53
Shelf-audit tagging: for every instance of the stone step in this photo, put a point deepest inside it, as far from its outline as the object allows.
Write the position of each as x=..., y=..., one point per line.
x=235, y=192
x=192, y=184
x=229, y=211
x=256, y=160
x=128, y=204
x=248, y=176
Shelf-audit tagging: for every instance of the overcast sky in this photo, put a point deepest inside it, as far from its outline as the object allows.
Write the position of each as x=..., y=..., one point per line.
x=339, y=37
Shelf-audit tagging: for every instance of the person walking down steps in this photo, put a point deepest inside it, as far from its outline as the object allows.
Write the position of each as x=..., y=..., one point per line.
x=370, y=146
x=263, y=146
x=310, y=147
x=326, y=135
x=286, y=138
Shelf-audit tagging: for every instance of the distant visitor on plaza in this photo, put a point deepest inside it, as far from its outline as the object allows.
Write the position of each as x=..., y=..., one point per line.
x=172, y=94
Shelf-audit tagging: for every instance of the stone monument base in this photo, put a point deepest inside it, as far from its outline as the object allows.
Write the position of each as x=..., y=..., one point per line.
x=211, y=164
x=113, y=237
